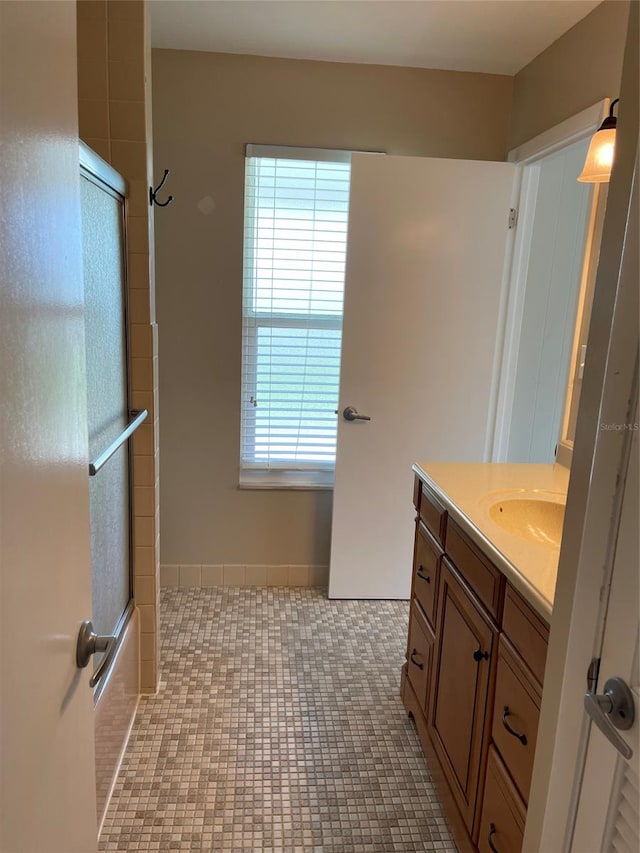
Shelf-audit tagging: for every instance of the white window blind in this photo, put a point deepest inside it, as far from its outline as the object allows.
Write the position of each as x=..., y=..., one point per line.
x=295, y=235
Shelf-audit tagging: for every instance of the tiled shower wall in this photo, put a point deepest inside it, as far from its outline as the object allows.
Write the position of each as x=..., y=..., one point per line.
x=114, y=104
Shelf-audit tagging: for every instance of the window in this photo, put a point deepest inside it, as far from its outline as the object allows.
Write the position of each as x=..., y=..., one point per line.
x=295, y=236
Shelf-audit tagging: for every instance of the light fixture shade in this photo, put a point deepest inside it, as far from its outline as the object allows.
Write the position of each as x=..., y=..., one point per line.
x=597, y=166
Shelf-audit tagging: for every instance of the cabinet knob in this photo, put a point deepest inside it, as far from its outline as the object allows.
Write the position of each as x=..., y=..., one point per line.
x=492, y=832
x=479, y=655
x=421, y=574
x=415, y=662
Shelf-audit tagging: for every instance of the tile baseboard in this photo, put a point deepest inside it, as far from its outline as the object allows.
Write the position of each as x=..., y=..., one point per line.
x=190, y=576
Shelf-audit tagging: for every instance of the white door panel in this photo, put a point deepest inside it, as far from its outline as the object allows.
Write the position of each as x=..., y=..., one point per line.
x=425, y=265
x=47, y=794
x=608, y=808
x=607, y=814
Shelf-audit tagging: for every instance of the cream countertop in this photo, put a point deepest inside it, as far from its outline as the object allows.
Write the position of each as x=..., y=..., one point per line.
x=467, y=489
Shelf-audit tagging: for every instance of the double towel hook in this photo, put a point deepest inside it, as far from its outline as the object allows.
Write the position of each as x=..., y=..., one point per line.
x=153, y=193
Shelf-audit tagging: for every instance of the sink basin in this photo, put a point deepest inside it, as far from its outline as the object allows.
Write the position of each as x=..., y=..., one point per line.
x=535, y=520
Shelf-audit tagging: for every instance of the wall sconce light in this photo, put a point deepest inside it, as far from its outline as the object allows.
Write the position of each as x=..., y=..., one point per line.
x=597, y=166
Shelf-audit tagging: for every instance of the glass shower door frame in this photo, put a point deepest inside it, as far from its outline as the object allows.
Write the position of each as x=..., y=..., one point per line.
x=106, y=178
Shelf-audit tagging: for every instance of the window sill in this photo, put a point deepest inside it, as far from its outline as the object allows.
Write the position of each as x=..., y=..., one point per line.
x=291, y=480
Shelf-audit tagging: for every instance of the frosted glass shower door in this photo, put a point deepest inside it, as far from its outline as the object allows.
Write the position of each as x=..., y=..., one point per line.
x=107, y=402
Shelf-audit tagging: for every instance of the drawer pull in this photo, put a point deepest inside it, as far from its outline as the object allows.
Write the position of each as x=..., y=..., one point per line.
x=421, y=575
x=492, y=832
x=479, y=655
x=415, y=662
x=521, y=737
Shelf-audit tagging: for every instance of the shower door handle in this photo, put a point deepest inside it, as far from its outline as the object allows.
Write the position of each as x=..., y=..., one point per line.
x=89, y=644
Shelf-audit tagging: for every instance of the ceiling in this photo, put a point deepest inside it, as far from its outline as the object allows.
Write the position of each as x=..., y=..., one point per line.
x=492, y=36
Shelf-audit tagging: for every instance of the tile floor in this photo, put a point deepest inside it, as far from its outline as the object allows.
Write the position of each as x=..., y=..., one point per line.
x=278, y=728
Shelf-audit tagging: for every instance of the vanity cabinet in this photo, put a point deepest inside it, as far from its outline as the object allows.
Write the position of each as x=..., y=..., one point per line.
x=472, y=681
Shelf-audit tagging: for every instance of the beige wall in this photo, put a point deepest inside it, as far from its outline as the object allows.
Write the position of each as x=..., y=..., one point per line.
x=580, y=68
x=114, y=107
x=205, y=108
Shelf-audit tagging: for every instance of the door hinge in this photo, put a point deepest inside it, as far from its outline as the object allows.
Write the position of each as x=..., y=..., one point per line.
x=592, y=675
x=513, y=217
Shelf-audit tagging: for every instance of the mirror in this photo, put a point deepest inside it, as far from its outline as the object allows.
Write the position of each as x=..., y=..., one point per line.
x=555, y=259
x=583, y=319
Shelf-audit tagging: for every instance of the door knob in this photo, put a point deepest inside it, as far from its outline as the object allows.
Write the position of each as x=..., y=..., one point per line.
x=89, y=644
x=611, y=710
x=351, y=414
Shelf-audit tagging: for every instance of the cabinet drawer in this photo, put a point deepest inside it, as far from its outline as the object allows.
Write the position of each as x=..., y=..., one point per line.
x=503, y=813
x=526, y=632
x=432, y=514
x=515, y=717
x=426, y=568
x=419, y=655
x=481, y=575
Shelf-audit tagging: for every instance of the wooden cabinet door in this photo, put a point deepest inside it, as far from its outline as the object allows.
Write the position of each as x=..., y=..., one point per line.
x=463, y=669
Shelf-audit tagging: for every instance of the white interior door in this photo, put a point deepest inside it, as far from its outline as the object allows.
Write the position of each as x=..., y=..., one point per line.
x=47, y=786
x=423, y=306
x=607, y=818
